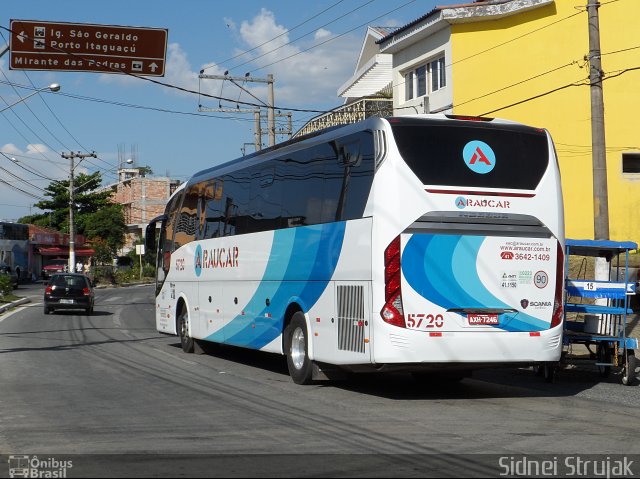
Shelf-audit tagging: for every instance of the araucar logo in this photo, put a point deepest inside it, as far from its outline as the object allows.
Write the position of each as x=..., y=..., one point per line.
x=198, y=261
x=462, y=203
x=479, y=157
x=216, y=258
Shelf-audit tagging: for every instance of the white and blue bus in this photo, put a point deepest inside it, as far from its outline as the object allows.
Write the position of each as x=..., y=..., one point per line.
x=418, y=243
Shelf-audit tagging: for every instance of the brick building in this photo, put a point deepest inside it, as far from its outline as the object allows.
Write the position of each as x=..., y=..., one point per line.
x=142, y=197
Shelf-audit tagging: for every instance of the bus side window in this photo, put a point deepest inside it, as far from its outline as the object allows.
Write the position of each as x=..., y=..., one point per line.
x=333, y=183
x=205, y=195
x=213, y=210
x=350, y=155
x=238, y=218
x=265, y=208
x=235, y=189
x=186, y=223
x=303, y=196
x=166, y=235
x=356, y=161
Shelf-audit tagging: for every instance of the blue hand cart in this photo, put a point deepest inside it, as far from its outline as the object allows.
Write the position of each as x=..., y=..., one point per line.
x=596, y=311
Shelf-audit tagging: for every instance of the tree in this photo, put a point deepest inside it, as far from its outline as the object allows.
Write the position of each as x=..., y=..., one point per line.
x=145, y=170
x=95, y=216
x=103, y=255
x=56, y=209
x=108, y=225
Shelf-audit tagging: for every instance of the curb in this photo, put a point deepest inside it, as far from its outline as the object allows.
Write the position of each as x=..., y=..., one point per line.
x=14, y=304
x=122, y=285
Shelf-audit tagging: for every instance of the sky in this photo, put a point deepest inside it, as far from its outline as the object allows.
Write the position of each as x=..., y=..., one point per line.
x=310, y=47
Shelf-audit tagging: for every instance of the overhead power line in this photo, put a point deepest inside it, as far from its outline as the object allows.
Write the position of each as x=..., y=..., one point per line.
x=277, y=36
x=334, y=38
x=540, y=95
x=19, y=164
x=305, y=35
x=246, y=103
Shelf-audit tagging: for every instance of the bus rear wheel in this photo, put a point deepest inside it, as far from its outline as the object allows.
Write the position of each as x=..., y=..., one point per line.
x=183, y=331
x=296, y=348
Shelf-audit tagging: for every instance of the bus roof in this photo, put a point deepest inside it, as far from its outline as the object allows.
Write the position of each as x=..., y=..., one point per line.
x=341, y=130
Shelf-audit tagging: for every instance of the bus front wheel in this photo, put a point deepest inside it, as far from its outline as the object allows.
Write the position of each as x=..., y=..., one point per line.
x=296, y=349
x=183, y=331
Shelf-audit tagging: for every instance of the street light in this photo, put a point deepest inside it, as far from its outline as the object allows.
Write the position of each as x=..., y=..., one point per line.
x=53, y=87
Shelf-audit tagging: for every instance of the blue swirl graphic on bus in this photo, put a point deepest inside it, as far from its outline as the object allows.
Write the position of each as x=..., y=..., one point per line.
x=479, y=157
x=442, y=269
x=301, y=264
x=197, y=262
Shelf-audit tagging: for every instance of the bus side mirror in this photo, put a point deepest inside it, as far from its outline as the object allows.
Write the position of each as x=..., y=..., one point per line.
x=150, y=233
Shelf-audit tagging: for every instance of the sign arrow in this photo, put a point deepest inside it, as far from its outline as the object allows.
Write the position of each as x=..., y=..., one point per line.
x=154, y=67
x=21, y=37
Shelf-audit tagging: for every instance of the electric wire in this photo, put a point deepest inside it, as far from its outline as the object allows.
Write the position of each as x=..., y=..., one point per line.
x=26, y=105
x=17, y=163
x=307, y=34
x=320, y=111
x=277, y=36
x=332, y=39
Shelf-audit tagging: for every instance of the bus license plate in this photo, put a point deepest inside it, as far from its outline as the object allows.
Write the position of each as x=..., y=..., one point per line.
x=475, y=319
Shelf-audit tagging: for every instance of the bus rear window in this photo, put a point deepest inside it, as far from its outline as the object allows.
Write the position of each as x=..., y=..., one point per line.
x=479, y=155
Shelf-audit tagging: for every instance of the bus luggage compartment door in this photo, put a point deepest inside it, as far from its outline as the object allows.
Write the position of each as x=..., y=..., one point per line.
x=464, y=282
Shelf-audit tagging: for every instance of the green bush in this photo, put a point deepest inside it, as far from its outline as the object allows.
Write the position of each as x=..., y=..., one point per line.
x=107, y=275
x=103, y=275
x=149, y=271
x=6, y=285
x=125, y=276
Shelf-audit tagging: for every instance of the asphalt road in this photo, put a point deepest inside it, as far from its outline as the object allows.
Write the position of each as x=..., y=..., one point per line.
x=115, y=398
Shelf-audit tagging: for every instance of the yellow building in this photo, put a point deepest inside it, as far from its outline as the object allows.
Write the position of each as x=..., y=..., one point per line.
x=524, y=60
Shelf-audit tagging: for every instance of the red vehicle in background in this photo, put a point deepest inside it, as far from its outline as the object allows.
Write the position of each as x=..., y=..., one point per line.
x=55, y=266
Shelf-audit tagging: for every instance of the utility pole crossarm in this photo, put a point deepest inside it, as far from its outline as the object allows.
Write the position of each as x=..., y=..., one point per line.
x=227, y=110
x=227, y=77
x=270, y=105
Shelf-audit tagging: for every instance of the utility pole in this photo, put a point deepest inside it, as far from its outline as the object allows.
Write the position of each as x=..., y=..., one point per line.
x=598, y=144
x=271, y=126
x=72, y=233
x=271, y=122
x=258, y=132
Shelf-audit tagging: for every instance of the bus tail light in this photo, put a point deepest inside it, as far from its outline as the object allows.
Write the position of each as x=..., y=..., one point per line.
x=392, y=311
x=558, y=309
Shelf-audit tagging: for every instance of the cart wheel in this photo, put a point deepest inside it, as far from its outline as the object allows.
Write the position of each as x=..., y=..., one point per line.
x=550, y=370
x=629, y=368
x=604, y=356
